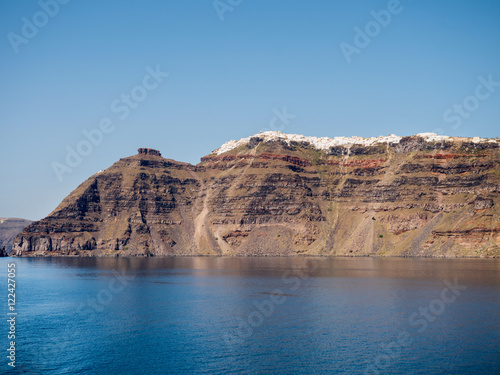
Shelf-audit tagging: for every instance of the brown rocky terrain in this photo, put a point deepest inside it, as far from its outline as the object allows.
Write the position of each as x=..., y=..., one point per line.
x=411, y=197
x=9, y=229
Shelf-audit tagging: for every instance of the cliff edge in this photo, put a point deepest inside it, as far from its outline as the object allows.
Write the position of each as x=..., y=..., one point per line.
x=9, y=229
x=280, y=195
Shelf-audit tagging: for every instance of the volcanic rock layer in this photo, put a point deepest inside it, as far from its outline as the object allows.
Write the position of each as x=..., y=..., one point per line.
x=273, y=195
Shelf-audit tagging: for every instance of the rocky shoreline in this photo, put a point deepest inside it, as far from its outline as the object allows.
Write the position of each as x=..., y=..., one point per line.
x=283, y=195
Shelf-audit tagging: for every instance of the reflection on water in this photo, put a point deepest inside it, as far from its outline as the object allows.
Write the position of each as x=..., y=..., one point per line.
x=474, y=270
x=194, y=315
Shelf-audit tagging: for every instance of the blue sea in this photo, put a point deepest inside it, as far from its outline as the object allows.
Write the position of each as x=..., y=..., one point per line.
x=198, y=315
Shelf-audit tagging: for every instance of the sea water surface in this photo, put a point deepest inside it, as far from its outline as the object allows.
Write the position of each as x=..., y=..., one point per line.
x=254, y=316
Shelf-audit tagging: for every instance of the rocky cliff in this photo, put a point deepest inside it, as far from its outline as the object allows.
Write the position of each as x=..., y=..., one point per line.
x=9, y=228
x=277, y=194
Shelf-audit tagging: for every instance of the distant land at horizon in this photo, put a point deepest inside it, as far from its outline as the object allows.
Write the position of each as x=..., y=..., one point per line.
x=9, y=229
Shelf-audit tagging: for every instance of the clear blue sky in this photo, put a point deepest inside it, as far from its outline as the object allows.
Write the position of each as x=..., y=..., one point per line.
x=226, y=79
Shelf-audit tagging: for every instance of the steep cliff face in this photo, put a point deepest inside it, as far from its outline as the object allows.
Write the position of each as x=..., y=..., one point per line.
x=276, y=194
x=9, y=228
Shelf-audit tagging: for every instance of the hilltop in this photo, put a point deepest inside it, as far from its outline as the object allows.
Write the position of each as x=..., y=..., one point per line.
x=281, y=194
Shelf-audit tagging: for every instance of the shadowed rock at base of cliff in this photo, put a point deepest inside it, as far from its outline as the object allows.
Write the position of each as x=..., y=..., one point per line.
x=9, y=229
x=279, y=197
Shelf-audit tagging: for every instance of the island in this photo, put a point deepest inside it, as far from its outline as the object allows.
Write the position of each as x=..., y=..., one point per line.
x=276, y=194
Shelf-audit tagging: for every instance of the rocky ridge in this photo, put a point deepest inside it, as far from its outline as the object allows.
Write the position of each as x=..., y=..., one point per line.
x=9, y=228
x=282, y=195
